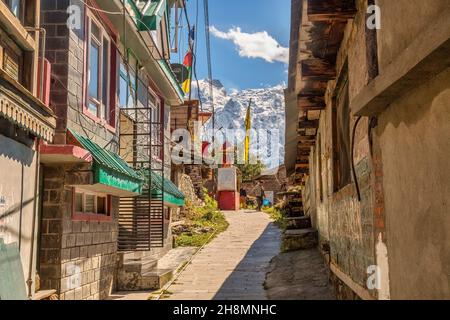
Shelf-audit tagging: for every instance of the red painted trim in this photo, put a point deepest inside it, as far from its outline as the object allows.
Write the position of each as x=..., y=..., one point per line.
x=66, y=149
x=104, y=18
x=93, y=217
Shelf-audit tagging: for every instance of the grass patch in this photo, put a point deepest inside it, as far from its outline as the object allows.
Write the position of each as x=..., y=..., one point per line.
x=202, y=223
x=277, y=215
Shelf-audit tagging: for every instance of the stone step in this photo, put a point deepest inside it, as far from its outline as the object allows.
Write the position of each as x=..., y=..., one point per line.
x=299, y=239
x=152, y=275
x=140, y=265
x=156, y=279
x=298, y=223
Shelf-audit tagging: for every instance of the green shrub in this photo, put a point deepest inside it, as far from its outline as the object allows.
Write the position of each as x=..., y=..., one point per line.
x=204, y=224
x=277, y=215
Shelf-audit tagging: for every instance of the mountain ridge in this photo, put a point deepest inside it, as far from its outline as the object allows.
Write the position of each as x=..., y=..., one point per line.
x=267, y=109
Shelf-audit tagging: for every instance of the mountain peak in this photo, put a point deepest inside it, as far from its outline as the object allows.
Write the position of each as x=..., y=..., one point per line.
x=267, y=109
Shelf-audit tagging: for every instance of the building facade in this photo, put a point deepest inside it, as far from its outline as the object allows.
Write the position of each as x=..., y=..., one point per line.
x=369, y=86
x=26, y=122
x=107, y=195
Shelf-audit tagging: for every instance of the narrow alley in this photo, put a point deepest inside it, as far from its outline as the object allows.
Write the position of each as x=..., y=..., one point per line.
x=234, y=265
x=164, y=150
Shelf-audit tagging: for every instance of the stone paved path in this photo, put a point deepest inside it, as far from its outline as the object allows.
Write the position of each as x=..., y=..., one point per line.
x=234, y=265
x=298, y=275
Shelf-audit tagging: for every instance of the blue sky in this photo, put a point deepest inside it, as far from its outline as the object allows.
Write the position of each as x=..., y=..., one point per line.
x=242, y=59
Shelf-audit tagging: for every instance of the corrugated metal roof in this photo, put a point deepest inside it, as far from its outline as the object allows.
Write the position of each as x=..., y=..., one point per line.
x=169, y=186
x=106, y=158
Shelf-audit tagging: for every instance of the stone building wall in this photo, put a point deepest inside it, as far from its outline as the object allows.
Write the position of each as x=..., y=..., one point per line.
x=400, y=225
x=345, y=224
x=65, y=50
x=414, y=135
x=77, y=258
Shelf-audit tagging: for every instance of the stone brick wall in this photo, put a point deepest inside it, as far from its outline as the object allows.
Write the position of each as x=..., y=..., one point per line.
x=53, y=19
x=343, y=222
x=77, y=258
x=65, y=51
x=351, y=234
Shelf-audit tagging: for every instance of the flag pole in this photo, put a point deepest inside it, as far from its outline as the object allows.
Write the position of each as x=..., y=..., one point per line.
x=247, y=133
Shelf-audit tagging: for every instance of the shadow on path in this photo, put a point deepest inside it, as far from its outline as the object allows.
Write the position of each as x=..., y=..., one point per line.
x=246, y=282
x=298, y=275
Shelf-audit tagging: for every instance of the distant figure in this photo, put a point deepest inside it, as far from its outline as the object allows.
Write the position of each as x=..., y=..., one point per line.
x=259, y=192
x=211, y=187
x=243, y=198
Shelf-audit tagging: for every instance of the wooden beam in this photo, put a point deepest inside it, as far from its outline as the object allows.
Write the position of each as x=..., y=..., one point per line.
x=316, y=68
x=302, y=160
x=302, y=170
x=301, y=165
x=311, y=101
x=325, y=10
x=308, y=124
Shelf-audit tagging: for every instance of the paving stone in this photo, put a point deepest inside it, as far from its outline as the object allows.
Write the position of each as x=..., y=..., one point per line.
x=234, y=265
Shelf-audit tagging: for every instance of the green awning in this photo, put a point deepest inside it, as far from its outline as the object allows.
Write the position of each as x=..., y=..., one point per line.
x=172, y=195
x=148, y=14
x=110, y=169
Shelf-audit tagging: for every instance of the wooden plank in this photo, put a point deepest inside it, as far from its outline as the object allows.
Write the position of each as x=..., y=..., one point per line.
x=311, y=101
x=44, y=294
x=316, y=68
x=302, y=170
x=309, y=124
x=324, y=10
x=362, y=292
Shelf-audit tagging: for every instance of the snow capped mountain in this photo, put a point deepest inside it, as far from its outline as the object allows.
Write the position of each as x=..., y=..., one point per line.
x=267, y=110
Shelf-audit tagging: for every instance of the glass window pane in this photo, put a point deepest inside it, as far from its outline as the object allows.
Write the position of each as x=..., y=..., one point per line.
x=101, y=205
x=95, y=31
x=78, y=202
x=132, y=90
x=142, y=95
x=14, y=5
x=123, y=92
x=93, y=70
x=93, y=108
x=89, y=203
x=105, y=78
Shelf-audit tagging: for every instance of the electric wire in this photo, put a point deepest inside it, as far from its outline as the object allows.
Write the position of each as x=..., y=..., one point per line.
x=208, y=58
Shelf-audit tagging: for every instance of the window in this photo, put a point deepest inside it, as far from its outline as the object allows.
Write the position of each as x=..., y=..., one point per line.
x=90, y=206
x=127, y=87
x=341, y=134
x=15, y=7
x=157, y=126
x=11, y=58
x=99, y=71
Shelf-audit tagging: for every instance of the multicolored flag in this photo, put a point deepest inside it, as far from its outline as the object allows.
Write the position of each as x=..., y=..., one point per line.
x=189, y=60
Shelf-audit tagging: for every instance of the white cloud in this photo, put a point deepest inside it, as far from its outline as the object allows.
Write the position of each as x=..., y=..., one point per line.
x=254, y=45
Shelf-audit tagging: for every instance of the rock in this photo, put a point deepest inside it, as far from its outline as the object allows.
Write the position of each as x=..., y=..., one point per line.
x=299, y=239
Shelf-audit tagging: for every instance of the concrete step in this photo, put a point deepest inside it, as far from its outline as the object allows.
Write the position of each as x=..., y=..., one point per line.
x=299, y=239
x=140, y=265
x=149, y=274
x=156, y=279
x=298, y=223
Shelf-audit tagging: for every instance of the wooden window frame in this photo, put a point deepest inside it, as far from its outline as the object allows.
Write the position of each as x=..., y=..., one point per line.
x=91, y=216
x=320, y=167
x=343, y=81
x=106, y=112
